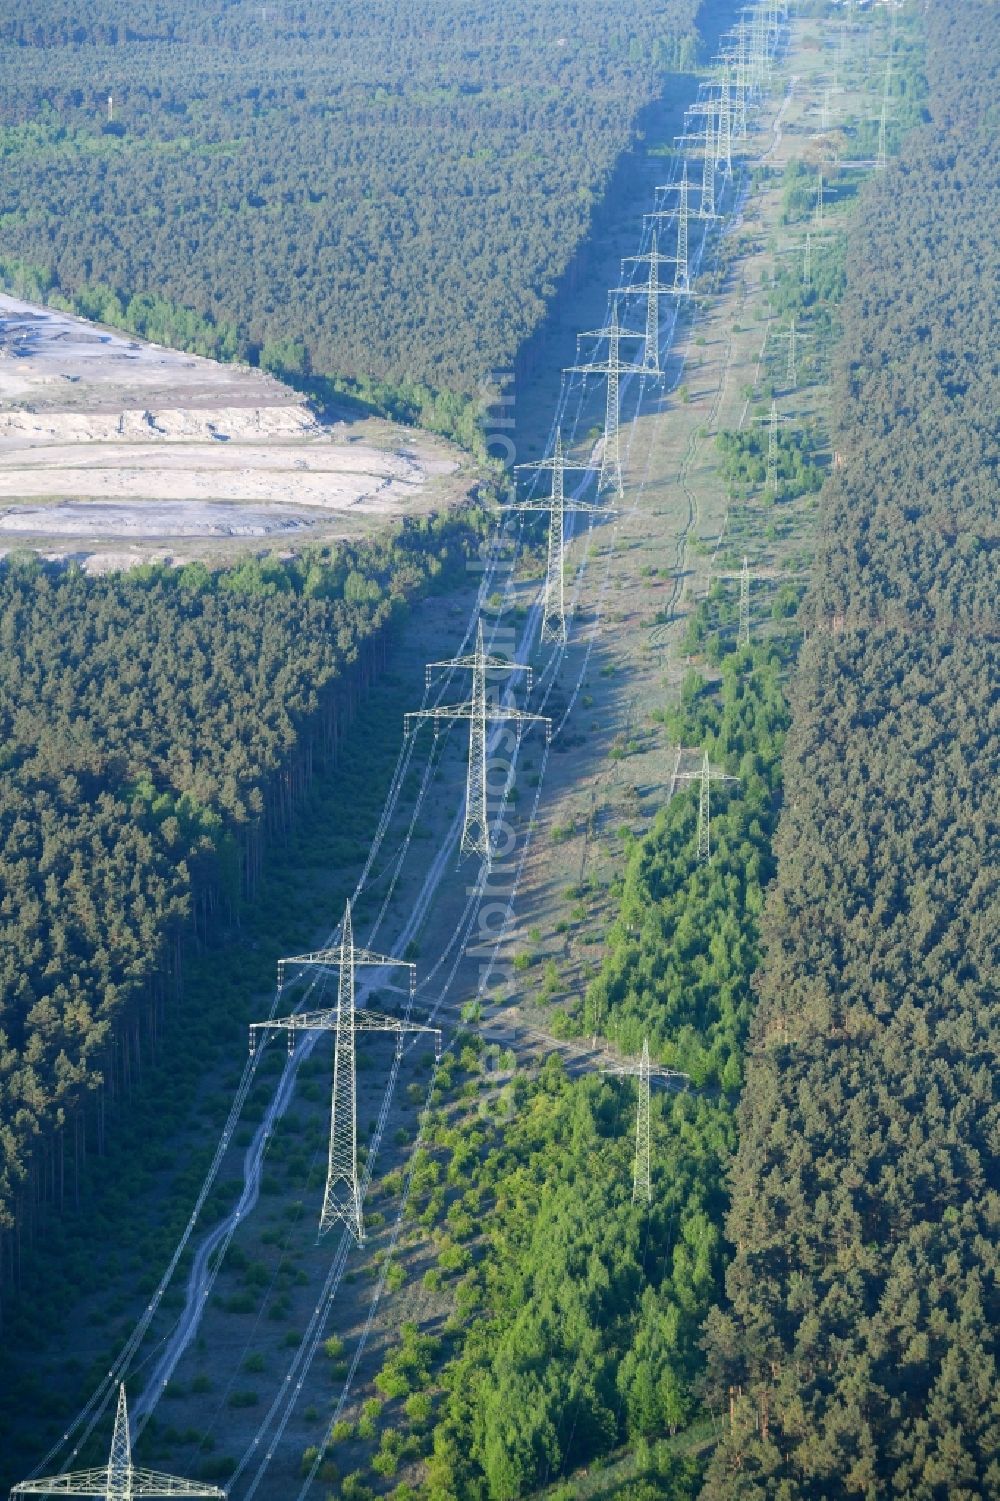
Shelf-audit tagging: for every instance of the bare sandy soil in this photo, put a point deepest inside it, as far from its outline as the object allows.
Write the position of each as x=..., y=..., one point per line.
x=106, y=439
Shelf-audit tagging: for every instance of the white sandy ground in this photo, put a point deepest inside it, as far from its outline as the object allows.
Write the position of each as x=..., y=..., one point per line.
x=106, y=438
x=45, y=356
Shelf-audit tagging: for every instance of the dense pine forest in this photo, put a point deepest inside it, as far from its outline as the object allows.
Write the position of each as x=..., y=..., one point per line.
x=344, y=190
x=856, y=1354
x=577, y=1314
x=158, y=730
x=807, y=1308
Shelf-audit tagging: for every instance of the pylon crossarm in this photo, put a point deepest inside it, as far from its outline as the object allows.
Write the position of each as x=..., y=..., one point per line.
x=612, y=331
x=657, y=257
x=551, y=463
x=301, y=1021
x=383, y=961
x=76, y=1483
x=331, y=959
x=149, y=1483
x=631, y=1071
x=375, y=1021
x=695, y=776
x=658, y=1071
x=587, y=508
x=682, y=186
x=95, y=1483
x=521, y=716
x=491, y=664
x=545, y=506
x=466, y=711
x=443, y=711
x=641, y=288
x=607, y=368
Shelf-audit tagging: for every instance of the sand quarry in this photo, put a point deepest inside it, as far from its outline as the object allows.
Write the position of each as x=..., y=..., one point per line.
x=116, y=451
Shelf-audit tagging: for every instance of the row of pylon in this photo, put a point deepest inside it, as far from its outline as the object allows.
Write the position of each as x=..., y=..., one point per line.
x=744, y=64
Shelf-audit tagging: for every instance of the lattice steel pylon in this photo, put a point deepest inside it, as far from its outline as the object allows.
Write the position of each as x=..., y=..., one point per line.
x=119, y=1479
x=724, y=137
x=480, y=714
x=704, y=811
x=708, y=144
x=613, y=368
x=706, y=141
x=643, y=1071
x=772, y=419
x=794, y=338
x=683, y=213
x=736, y=58
x=743, y=641
x=708, y=170
x=653, y=291
x=642, y=1191
x=555, y=505
x=806, y=247
x=682, y=273
x=342, y=1203
x=704, y=776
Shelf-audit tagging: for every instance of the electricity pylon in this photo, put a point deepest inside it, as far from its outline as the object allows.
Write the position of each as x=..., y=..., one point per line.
x=119, y=1479
x=807, y=263
x=653, y=292
x=704, y=812
x=704, y=776
x=682, y=213
x=807, y=258
x=743, y=640
x=707, y=144
x=772, y=449
x=642, y=1192
x=643, y=1071
x=555, y=506
x=772, y=419
x=342, y=1194
x=724, y=138
x=480, y=714
x=708, y=162
x=818, y=211
x=735, y=57
x=613, y=368
x=794, y=338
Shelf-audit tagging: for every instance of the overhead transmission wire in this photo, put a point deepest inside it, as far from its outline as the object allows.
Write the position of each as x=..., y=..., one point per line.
x=90, y=1414
x=647, y=1228
x=310, y=1340
x=249, y=1071
x=558, y=652
x=314, y=1334
x=302, y=1361
x=305, y=1353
